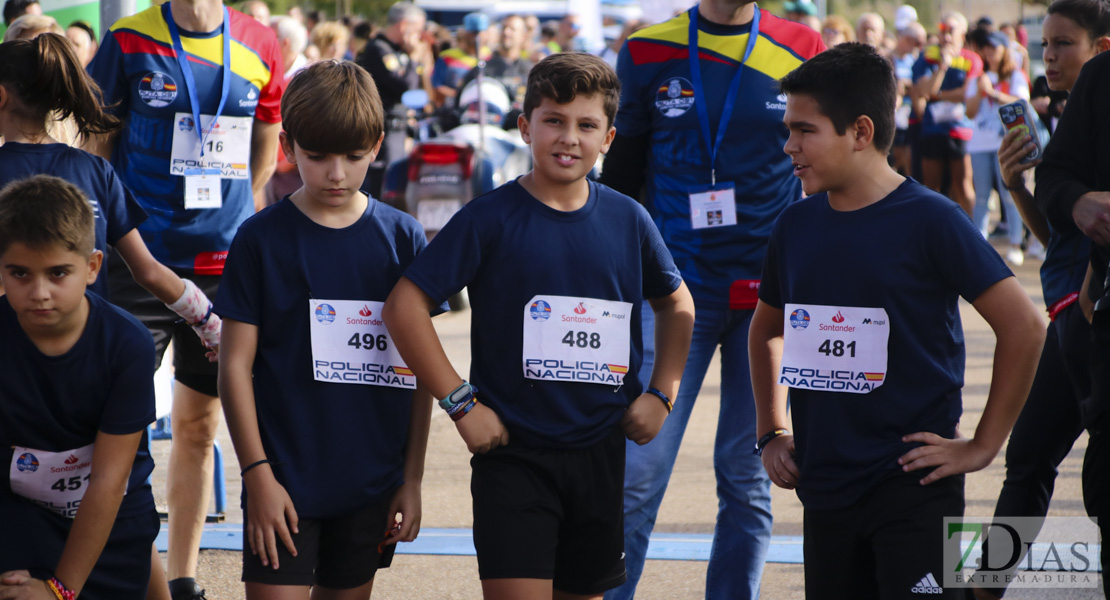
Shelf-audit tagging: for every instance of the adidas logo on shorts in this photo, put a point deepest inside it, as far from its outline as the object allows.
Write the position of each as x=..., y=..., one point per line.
x=927, y=585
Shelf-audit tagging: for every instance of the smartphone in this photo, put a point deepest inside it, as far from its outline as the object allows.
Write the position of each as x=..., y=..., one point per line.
x=1019, y=115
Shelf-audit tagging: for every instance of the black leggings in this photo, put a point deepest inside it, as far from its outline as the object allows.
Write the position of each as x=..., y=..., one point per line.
x=1051, y=420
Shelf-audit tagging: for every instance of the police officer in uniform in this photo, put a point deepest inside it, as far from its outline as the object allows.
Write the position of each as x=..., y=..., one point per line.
x=399, y=60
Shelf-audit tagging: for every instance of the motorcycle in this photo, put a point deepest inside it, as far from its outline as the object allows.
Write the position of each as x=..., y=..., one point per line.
x=441, y=173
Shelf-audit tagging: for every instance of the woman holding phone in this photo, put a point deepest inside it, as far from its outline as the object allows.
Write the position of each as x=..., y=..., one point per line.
x=1074, y=32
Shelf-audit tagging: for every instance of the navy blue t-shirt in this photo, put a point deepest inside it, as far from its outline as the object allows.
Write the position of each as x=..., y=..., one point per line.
x=116, y=210
x=507, y=247
x=1065, y=264
x=333, y=446
x=913, y=253
x=105, y=382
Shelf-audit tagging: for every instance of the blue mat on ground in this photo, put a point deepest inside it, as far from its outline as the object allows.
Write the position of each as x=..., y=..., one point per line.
x=460, y=542
x=785, y=549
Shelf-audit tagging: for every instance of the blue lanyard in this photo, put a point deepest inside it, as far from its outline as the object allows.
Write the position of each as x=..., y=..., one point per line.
x=699, y=90
x=187, y=73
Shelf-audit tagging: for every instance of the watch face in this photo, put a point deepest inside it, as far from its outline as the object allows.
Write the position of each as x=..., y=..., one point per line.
x=459, y=395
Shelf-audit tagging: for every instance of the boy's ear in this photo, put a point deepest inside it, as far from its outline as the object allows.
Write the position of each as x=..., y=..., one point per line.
x=287, y=147
x=522, y=125
x=96, y=259
x=612, y=133
x=377, y=147
x=862, y=132
x=1103, y=44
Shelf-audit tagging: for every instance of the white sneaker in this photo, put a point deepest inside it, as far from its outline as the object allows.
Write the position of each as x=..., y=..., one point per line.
x=1015, y=257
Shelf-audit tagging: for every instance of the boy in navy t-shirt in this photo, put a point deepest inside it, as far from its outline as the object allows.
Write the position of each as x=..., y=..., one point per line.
x=77, y=515
x=858, y=316
x=328, y=422
x=556, y=268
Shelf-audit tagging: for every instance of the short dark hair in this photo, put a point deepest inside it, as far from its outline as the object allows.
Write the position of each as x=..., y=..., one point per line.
x=849, y=81
x=333, y=107
x=564, y=76
x=1092, y=15
x=43, y=212
x=84, y=26
x=13, y=9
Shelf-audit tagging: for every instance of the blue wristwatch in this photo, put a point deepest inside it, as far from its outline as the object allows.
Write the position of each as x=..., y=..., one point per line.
x=462, y=394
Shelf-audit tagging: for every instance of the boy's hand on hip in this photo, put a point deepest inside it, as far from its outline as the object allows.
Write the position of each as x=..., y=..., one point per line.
x=270, y=516
x=644, y=418
x=949, y=456
x=482, y=430
x=15, y=577
x=778, y=460
x=27, y=589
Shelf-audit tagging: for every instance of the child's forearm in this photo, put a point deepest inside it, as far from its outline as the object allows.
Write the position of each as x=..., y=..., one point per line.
x=113, y=457
x=155, y=277
x=419, y=424
x=407, y=315
x=236, y=386
x=89, y=533
x=674, y=326
x=764, y=359
x=1020, y=334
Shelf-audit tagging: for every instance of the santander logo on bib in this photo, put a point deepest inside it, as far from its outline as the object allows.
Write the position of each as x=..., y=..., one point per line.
x=366, y=312
x=580, y=309
x=72, y=459
x=838, y=318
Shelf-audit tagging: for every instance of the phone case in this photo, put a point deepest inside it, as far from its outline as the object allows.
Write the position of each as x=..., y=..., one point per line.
x=1019, y=115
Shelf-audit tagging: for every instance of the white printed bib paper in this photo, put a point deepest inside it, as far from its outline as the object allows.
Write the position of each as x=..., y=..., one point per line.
x=582, y=340
x=350, y=344
x=834, y=348
x=227, y=148
x=55, y=481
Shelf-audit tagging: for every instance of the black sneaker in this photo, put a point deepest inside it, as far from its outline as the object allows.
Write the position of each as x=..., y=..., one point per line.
x=186, y=588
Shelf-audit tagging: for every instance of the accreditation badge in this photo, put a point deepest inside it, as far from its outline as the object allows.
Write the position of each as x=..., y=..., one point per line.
x=350, y=344
x=202, y=188
x=714, y=206
x=834, y=348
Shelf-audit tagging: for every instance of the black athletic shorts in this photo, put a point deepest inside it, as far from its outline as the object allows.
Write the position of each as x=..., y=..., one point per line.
x=340, y=553
x=191, y=366
x=943, y=147
x=33, y=538
x=890, y=544
x=546, y=513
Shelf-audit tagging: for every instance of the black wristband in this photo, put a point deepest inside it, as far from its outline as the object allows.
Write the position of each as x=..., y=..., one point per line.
x=264, y=461
x=666, y=401
x=766, y=439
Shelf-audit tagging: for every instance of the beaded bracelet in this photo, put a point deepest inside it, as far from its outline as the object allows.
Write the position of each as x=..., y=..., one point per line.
x=60, y=590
